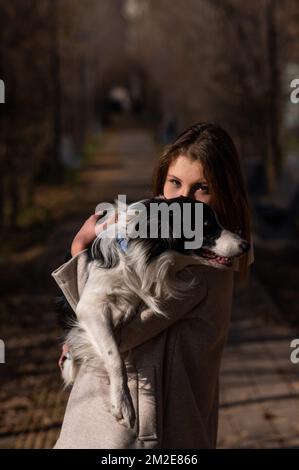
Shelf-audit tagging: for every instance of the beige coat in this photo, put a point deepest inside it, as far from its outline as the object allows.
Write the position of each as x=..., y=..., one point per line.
x=172, y=365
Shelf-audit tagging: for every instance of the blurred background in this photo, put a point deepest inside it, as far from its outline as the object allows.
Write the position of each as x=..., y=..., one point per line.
x=93, y=91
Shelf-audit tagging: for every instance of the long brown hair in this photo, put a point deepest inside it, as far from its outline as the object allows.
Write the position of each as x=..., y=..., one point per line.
x=214, y=148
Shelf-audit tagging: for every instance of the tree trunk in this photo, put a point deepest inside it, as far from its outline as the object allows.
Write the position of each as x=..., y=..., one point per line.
x=274, y=154
x=53, y=6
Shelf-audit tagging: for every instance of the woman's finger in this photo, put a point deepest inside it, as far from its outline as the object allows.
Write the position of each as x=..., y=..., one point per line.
x=60, y=362
x=98, y=215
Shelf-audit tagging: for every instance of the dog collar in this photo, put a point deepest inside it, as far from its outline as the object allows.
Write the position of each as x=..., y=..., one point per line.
x=123, y=243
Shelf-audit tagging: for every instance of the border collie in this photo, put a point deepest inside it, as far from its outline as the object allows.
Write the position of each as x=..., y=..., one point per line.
x=127, y=273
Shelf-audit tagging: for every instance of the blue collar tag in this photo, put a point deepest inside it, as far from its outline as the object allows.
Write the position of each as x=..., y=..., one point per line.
x=123, y=243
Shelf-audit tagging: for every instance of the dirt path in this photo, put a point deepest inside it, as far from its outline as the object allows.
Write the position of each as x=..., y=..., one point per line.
x=258, y=382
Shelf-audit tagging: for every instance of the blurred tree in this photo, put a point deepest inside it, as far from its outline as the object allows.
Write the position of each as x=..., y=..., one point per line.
x=197, y=60
x=221, y=61
x=52, y=55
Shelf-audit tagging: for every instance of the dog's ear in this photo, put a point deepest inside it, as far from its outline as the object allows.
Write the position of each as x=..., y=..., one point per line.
x=111, y=256
x=106, y=252
x=95, y=250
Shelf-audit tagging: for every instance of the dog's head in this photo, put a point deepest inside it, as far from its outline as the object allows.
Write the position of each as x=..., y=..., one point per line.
x=155, y=225
x=219, y=245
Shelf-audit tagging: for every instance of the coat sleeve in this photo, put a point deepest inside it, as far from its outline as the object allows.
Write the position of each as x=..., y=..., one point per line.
x=72, y=276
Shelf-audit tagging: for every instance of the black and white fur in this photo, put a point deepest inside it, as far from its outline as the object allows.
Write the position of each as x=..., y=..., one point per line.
x=122, y=282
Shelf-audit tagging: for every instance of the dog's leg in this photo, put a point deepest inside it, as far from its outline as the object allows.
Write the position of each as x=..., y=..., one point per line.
x=121, y=402
x=99, y=329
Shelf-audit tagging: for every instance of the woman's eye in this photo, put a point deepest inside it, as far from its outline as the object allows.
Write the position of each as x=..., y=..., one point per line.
x=202, y=188
x=175, y=183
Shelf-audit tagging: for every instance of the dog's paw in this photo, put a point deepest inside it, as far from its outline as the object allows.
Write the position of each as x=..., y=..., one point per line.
x=122, y=407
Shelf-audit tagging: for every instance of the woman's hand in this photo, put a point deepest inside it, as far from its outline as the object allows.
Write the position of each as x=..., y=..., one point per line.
x=65, y=350
x=89, y=231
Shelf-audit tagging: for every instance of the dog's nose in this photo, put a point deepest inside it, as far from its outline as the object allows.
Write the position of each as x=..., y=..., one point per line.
x=244, y=245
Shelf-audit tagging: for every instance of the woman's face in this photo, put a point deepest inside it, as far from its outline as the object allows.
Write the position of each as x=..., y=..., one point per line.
x=185, y=178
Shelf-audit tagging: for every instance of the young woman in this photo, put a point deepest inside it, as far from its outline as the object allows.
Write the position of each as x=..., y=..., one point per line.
x=172, y=364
